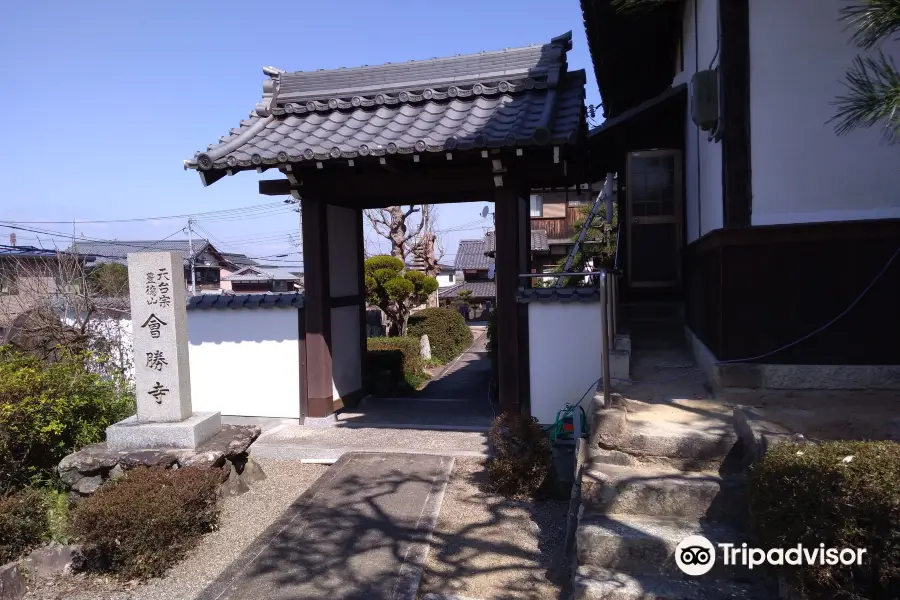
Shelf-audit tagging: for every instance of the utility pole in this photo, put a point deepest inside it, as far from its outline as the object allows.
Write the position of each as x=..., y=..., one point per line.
x=191, y=258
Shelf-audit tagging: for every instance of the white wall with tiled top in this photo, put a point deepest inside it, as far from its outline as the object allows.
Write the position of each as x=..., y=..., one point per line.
x=245, y=362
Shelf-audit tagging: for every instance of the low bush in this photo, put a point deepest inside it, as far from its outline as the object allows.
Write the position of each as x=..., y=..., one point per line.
x=49, y=410
x=23, y=523
x=446, y=329
x=147, y=521
x=398, y=356
x=842, y=495
x=521, y=458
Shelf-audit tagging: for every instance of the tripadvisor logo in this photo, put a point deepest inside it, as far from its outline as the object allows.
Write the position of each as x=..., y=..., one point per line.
x=695, y=555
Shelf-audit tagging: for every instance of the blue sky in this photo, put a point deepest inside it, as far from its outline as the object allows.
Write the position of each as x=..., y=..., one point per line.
x=102, y=100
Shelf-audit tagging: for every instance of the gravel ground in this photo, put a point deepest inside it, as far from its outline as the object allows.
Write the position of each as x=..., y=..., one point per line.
x=243, y=519
x=491, y=548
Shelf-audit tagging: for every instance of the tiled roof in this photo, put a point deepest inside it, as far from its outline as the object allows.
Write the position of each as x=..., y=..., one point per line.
x=118, y=251
x=514, y=97
x=239, y=260
x=470, y=255
x=256, y=273
x=538, y=242
x=222, y=301
x=26, y=252
x=480, y=289
x=572, y=294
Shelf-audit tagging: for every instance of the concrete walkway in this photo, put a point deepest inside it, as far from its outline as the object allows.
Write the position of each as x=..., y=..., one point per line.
x=361, y=531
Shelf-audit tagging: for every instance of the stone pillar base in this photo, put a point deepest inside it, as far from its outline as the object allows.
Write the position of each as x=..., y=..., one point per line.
x=129, y=434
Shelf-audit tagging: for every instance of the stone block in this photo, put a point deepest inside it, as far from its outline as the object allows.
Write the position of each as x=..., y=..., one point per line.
x=12, y=582
x=49, y=561
x=249, y=470
x=148, y=458
x=130, y=434
x=608, y=425
x=204, y=460
x=87, y=485
x=620, y=366
x=623, y=342
x=757, y=434
x=231, y=440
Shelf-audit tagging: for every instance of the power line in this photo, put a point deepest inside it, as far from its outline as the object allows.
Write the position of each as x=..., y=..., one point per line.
x=254, y=208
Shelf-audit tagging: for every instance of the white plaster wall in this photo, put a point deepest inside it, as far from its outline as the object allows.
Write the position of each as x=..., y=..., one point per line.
x=343, y=244
x=245, y=362
x=802, y=171
x=703, y=190
x=564, y=346
x=443, y=280
x=346, y=362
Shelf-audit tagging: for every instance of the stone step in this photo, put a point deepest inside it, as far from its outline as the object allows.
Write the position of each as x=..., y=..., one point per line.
x=642, y=544
x=614, y=489
x=592, y=583
x=650, y=434
x=598, y=457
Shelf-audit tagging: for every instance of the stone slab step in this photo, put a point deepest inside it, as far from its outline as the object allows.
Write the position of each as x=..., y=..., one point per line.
x=614, y=489
x=593, y=583
x=598, y=457
x=642, y=544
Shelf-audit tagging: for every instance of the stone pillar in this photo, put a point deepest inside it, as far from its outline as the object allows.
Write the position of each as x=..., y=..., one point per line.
x=317, y=306
x=164, y=418
x=512, y=258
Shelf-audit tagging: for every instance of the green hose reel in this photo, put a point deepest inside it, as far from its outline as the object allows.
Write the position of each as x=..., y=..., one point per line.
x=563, y=429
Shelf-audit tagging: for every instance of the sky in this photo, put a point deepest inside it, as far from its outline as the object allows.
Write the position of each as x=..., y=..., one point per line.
x=102, y=102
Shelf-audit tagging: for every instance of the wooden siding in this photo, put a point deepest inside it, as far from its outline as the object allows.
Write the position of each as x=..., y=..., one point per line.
x=558, y=228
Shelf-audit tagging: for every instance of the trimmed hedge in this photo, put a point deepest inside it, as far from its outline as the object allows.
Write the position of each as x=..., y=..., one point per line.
x=23, y=523
x=521, y=457
x=400, y=356
x=446, y=329
x=147, y=521
x=842, y=495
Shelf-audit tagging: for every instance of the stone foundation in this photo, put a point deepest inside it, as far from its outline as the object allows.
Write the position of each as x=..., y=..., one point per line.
x=85, y=471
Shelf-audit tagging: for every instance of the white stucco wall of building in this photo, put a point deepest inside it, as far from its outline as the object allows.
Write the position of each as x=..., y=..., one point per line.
x=346, y=362
x=564, y=350
x=802, y=170
x=702, y=157
x=343, y=247
x=245, y=362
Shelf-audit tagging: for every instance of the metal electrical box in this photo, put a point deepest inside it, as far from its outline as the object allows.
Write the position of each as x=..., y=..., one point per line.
x=705, y=99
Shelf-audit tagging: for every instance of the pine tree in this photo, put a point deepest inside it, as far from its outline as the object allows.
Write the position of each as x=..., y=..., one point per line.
x=873, y=82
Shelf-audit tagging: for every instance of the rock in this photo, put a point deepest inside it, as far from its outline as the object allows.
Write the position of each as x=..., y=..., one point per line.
x=252, y=472
x=116, y=473
x=12, y=582
x=234, y=485
x=88, y=485
x=49, y=561
x=148, y=458
x=232, y=440
x=226, y=471
x=204, y=460
x=90, y=460
x=425, y=347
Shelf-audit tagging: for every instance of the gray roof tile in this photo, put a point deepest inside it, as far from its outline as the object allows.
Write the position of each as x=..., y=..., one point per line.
x=480, y=289
x=257, y=273
x=538, y=242
x=470, y=255
x=572, y=294
x=223, y=301
x=119, y=251
x=511, y=98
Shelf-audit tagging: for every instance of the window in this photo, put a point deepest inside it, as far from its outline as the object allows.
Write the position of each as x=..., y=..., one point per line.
x=537, y=205
x=450, y=277
x=280, y=286
x=207, y=275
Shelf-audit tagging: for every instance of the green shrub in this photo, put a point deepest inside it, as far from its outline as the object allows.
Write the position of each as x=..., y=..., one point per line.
x=814, y=494
x=521, y=458
x=446, y=329
x=147, y=521
x=398, y=356
x=49, y=410
x=23, y=523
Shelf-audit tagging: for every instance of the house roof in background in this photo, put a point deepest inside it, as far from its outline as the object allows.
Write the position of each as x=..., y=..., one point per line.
x=480, y=289
x=229, y=301
x=238, y=260
x=26, y=252
x=117, y=251
x=513, y=97
x=539, y=242
x=471, y=255
x=257, y=273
